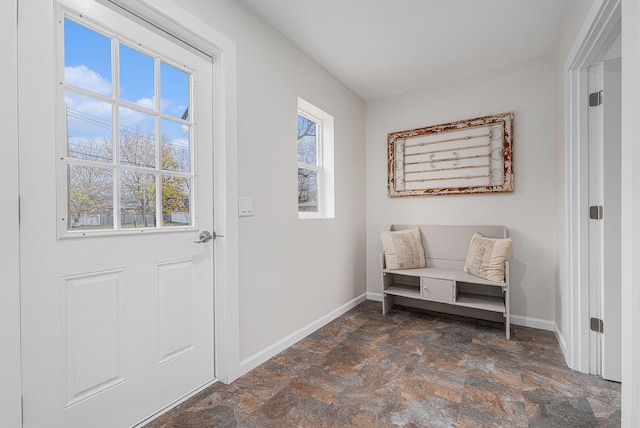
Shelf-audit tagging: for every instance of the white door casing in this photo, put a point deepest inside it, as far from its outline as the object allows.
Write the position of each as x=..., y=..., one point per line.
x=10, y=367
x=601, y=28
x=630, y=196
x=111, y=322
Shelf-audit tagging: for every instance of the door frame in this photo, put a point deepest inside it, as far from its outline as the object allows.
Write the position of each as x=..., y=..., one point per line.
x=602, y=26
x=630, y=194
x=10, y=357
x=173, y=19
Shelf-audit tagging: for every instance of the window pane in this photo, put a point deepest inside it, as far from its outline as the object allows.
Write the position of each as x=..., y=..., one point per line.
x=89, y=128
x=174, y=146
x=307, y=190
x=307, y=141
x=90, y=193
x=137, y=138
x=174, y=91
x=176, y=201
x=137, y=78
x=137, y=200
x=87, y=59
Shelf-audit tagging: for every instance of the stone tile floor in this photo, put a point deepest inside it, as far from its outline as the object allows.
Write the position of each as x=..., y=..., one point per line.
x=408, y=368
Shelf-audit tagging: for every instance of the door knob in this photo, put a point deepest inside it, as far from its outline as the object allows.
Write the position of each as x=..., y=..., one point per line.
x=205, y=236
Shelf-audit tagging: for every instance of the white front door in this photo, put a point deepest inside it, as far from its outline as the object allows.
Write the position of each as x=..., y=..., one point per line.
x=116, y=184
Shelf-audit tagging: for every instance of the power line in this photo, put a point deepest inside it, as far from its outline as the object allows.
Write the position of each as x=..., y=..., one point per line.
x=88, y=118
x=95, y=120
x=100, y=122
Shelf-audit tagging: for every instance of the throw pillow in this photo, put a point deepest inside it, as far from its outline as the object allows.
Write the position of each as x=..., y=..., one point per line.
x=486, y=257
x=403, y=249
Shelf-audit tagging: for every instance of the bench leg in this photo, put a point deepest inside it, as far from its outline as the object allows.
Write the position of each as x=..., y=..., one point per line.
x=507, y=326
x=387, y=303
x=507, y=306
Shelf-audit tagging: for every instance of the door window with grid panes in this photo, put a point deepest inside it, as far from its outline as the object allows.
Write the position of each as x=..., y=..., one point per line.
x=128, y=143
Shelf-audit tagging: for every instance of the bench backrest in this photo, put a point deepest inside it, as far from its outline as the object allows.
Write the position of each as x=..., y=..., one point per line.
x=446, y=246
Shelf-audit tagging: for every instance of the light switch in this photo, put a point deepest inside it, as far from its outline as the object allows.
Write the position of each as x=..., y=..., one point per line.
x=245, y=207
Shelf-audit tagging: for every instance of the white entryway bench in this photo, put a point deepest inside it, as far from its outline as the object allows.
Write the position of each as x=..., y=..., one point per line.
x=443, y=280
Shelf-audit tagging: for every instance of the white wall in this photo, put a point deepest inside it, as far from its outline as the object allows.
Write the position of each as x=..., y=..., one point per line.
x=524, y=88
x=292, y=272
x=10, y=415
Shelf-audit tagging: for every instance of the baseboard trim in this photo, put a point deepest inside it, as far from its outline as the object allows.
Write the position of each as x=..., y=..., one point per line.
x=271, y=351
x=376, y=297
x=561, y=340
x=533, y=323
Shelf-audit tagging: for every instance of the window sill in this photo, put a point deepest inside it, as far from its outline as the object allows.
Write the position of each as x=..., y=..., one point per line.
x=311, y=216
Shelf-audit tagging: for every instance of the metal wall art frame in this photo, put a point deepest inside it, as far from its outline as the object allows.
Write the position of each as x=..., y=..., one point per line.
x=468, y=156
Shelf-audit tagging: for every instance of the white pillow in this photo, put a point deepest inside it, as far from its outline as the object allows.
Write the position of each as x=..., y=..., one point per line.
x=486, y=257
x=403, y=249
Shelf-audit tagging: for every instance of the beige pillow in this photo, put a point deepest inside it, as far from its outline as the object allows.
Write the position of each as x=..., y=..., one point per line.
x=403, y=249
x=486, y=257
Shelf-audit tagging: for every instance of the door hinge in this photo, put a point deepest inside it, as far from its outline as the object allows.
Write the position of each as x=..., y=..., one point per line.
x=596, y=98
x=596, y=212
x=597, y=325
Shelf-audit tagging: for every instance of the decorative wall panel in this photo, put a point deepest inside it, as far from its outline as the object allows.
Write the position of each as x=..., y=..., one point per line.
x=469, y=156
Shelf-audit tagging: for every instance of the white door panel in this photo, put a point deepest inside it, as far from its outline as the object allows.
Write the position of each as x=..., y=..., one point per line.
x=93, y=346
x=605, y=234
x=116, y=326
x=611, y=293
x=595, y=226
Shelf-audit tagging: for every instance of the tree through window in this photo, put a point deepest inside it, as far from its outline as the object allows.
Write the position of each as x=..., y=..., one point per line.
x=308, y=165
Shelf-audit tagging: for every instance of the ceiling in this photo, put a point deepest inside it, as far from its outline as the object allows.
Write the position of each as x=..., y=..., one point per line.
x=383, y=47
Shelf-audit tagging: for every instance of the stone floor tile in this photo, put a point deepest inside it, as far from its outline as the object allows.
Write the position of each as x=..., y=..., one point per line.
x=474, y=418
x=409, y=368
x=557, y=410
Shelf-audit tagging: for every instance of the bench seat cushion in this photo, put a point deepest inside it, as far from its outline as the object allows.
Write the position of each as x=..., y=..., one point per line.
x=403, y=249
x=486, y=257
